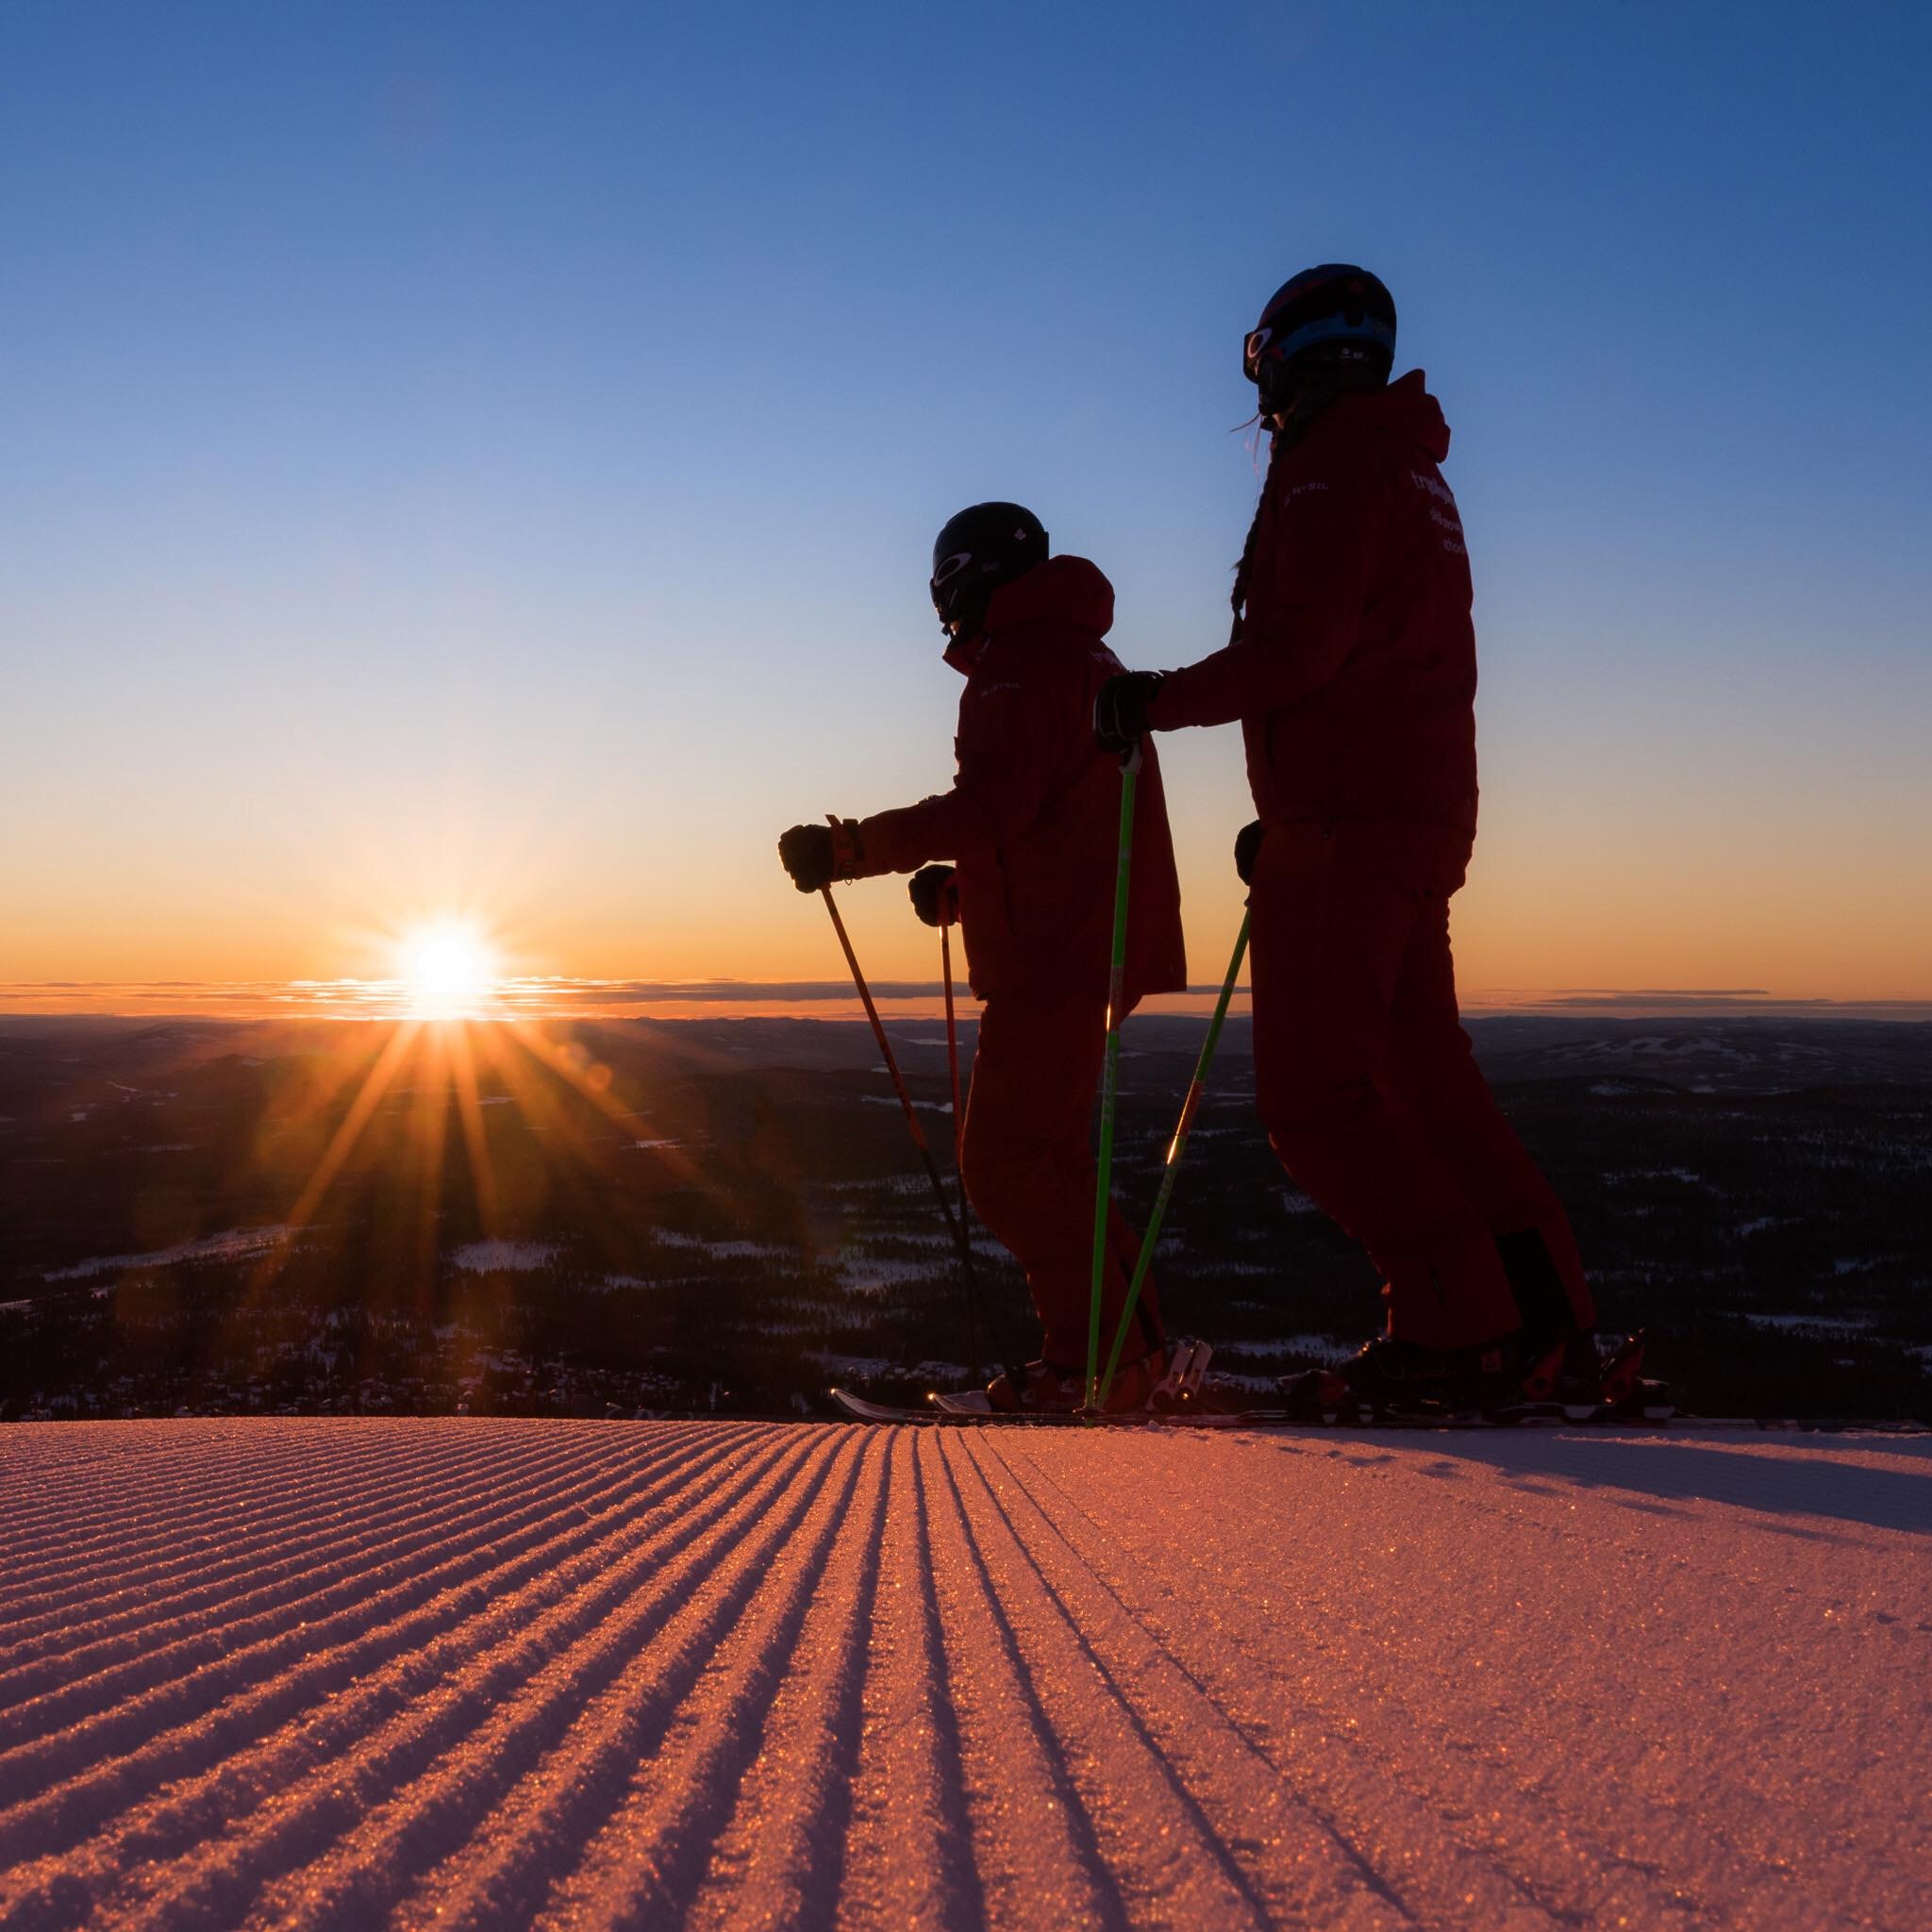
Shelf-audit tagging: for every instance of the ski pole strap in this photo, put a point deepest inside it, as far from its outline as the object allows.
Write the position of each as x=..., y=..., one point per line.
x=1124, y=866
x=1176, y=1148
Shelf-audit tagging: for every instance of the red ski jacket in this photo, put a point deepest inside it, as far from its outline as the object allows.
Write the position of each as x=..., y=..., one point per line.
x=1032, y=822
x=1353, y=672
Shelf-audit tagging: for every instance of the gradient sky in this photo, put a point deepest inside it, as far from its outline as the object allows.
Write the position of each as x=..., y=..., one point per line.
x=486, y=457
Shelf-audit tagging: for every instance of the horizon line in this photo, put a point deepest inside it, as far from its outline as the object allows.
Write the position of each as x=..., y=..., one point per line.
x=561, y=996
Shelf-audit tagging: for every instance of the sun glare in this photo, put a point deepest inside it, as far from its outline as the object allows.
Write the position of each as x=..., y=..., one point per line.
x=448, y=969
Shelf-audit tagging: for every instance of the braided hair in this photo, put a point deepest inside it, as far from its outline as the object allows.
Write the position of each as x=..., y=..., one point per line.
x=1324, y=378
x=1240, y=597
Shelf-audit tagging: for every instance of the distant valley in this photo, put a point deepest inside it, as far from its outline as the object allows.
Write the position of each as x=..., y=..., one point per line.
x=640, y=1216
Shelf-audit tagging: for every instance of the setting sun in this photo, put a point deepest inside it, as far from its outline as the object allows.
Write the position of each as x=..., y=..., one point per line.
x=448, y=969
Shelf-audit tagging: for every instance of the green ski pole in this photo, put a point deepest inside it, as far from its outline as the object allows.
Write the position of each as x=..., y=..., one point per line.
x=1109, y=1088
x=1176, y=1148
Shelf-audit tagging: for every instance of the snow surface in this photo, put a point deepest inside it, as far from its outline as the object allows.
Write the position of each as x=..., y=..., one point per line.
x=481, y=1673
x=234, y=1245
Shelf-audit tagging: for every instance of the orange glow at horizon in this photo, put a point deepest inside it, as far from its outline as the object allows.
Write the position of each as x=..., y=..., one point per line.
x=1576, y=895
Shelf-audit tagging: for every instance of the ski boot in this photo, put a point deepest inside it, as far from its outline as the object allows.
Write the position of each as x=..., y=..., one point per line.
x=1627, y=1393
x=1562, y=1375
x=1404, y=1376
x=1038, y=1388
x=1404, y=1381
x=1573, y=1379
x=1320, y=1397
x=1180, y=1385
x=1164, y=1378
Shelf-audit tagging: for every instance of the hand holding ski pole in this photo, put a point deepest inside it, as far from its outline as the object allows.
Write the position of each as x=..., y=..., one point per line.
x=934, y=891
x=817, y=855
x=1120, y=711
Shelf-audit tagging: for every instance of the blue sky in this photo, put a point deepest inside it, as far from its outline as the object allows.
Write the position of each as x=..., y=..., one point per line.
x=488, y=455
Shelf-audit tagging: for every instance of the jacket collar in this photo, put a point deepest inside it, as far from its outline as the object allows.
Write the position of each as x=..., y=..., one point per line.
x=964, y=653
x=1405, y=409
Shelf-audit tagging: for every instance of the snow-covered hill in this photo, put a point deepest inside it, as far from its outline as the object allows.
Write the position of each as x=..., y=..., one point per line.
x=483, y=1673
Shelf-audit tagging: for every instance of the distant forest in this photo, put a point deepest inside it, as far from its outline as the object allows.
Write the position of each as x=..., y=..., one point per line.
x=644, y=1217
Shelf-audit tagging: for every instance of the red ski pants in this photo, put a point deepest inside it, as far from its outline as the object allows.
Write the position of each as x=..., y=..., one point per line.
x=1366, y=1083
x=1027, y=1158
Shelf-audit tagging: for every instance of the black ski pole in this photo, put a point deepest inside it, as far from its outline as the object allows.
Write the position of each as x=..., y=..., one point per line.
x=959, y=1117
x=919, y=1140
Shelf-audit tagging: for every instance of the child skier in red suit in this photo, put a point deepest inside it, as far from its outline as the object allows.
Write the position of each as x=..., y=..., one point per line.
x=1031, y=825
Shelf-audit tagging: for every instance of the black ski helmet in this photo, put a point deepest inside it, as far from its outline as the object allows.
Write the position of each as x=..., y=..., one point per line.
x=1336, y=321
x=979, y=550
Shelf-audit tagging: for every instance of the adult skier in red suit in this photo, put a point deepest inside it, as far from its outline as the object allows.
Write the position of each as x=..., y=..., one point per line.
x=1030, y=826
x=1352, y=671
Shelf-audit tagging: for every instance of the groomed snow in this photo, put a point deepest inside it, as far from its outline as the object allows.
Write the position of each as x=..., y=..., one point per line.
x=482, y=1672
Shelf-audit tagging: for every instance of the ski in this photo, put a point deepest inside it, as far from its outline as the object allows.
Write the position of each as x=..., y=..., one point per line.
x=967, y=1405
x=1179, y=1384
x=860, y=1410
x=955, y=1413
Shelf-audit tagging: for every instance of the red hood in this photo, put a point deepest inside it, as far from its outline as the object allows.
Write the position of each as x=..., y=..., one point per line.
x=1064, y=590
x=1405, y=409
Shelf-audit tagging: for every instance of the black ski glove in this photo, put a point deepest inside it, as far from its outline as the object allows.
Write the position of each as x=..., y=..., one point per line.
x=933, y=895
x=817, y=855
x=1120, y=711
x=1247, y=848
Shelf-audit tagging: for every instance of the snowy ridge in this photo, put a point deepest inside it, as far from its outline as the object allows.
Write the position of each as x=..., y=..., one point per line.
x=478, y=1672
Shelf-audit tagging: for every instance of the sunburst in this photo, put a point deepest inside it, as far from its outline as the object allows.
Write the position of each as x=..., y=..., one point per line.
x=452, y=1036
x=449, y=971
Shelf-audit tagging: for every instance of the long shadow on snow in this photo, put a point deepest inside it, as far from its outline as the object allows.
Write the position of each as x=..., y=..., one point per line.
x=1783, y=1479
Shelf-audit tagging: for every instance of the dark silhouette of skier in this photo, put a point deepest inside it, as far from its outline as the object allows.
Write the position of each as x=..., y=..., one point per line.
x=1352, y=671
x=1030, y=826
